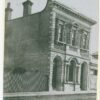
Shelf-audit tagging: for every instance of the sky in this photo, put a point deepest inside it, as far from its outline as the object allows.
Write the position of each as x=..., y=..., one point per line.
x=89, y=8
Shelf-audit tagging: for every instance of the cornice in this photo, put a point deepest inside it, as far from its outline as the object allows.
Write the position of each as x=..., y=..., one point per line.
x=73, y=12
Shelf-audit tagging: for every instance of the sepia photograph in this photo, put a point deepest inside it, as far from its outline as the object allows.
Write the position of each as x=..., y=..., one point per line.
x=51, y=50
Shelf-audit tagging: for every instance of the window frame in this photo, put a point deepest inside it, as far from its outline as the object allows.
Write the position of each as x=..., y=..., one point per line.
x=75, y=75
x=83, y=33
x=74, y=32
x=85, y=38
x=62, y=23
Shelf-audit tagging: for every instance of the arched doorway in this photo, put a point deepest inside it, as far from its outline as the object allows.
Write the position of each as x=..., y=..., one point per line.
x=57, y=73
x=84, y=73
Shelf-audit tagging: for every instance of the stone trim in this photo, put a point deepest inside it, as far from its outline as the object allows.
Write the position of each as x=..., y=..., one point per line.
x=27, y=94
x=73, y=12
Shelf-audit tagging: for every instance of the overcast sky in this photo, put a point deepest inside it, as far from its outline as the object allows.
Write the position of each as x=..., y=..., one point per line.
x=89, y=8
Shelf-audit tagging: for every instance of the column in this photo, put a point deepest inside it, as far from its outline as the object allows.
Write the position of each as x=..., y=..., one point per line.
x=77, y=78
x=50, y=76
x=79, y=74
x=67, y=72
x=62, y=77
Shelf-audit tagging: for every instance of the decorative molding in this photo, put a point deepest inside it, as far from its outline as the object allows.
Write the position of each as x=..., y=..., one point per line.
x=75, y=59
x=73, y=12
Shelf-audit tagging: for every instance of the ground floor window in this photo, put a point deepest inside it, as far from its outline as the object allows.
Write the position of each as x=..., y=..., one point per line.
x=71, y=72
x=77, y=74
x=83, y=78
x=57, y=73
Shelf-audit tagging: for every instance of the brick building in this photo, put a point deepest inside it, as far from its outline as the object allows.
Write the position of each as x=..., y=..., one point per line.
x=47, y=51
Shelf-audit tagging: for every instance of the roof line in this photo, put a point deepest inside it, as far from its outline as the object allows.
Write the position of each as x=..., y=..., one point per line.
x=75, y=12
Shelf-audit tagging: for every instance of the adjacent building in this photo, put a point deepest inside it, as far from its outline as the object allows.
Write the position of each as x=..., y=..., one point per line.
x=93, y=71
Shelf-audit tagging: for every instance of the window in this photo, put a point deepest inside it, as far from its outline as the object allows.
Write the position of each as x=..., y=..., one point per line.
x=77, y=73
x=84, y=76
x=68, y=27
x=60, y=31
x=85, y=41
x=56, y=81
x=67, y=72
x=93, y=72
x=73, y=37
x=71, y=71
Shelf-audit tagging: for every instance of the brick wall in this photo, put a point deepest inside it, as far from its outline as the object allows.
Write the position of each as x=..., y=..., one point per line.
x=27, y=50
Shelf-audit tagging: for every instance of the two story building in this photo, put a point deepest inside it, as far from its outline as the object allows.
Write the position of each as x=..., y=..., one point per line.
x=47, y=51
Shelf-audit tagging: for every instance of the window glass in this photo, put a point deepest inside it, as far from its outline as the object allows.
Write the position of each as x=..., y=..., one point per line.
x=93, y=72
x=77, y=72
x=67, y=67
x=74, y=36
x=84, y=41
x=60, y=32
x=71, y=71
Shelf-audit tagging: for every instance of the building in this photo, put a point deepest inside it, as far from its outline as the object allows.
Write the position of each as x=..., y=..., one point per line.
x=47, y=51
x=93, y=71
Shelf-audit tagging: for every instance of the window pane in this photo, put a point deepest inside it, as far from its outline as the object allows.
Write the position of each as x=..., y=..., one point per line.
x=73, y=36
x=71, y=69
x=77, y=71
x=60, y=32
x=95, y=72
x=84, y=41
x=67, y=67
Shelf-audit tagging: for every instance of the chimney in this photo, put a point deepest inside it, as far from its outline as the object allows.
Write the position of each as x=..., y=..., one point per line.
x=27, y=7
x=8, y=12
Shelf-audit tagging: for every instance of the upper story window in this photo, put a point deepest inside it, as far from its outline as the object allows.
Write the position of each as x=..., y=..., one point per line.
x=60, y=31
x=74, y=34
x=84, y=40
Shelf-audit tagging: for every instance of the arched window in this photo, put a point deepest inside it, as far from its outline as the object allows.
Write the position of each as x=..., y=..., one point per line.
x=84, y=74
x=57, y=73
x=72, y=72
x=74, y=34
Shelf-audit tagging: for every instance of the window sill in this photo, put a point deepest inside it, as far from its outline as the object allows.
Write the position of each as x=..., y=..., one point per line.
x=61, y=42
x=76, y=47
x=71, y=83
x=84, y=49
